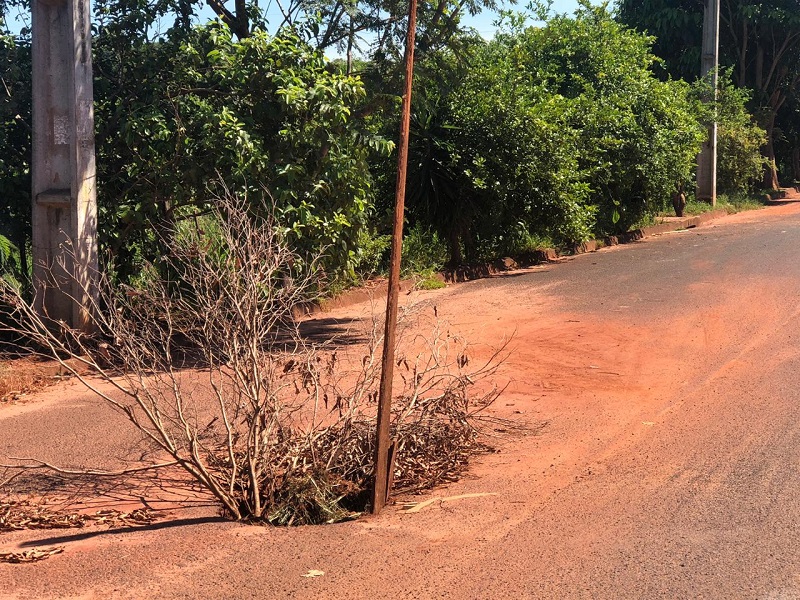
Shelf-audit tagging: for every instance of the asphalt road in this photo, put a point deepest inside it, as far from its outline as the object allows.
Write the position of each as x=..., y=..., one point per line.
x=663, y=375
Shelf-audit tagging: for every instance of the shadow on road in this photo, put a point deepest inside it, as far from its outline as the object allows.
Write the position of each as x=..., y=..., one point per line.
x=336, y=332
x=85, y=535
x=781, y=201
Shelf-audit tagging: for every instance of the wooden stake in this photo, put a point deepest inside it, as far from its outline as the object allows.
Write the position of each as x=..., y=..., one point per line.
x=380, y=492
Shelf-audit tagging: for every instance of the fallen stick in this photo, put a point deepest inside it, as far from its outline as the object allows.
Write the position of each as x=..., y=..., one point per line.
x=27, y=556
x=418, y=507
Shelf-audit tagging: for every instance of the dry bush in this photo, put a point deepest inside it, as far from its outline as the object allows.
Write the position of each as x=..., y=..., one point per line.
x=208, y=362
x=20, y=376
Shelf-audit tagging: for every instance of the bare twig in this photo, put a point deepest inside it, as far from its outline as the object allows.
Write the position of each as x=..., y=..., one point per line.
x=39, y=464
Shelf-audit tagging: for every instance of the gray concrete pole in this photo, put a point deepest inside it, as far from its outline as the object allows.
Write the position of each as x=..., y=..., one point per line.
x=707, y=161
x=63, y=162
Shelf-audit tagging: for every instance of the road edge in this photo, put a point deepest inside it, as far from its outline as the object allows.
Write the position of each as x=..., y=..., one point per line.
x=377, y=288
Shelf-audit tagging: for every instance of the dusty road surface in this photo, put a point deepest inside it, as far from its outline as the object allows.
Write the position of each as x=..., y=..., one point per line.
x=665, y=375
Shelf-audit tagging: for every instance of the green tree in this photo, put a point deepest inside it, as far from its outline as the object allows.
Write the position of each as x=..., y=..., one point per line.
x=788, y=143
x=759, y=40
x=740, y=164
x=640, y=135
x=15, y=139
x=193, y=107
x=516, y=147
x=556, y=133
x=263, y=113
x=677, y=29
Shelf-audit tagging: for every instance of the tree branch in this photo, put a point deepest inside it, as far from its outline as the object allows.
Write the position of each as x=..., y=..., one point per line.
x=40, y=464
x=223, y=13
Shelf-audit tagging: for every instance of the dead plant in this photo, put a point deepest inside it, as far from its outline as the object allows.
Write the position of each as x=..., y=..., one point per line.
x=204, y=356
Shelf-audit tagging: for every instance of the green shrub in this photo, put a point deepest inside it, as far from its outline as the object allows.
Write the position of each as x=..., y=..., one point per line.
x=10, y=266
x=429, y=282
x=739, y=201
x=639, y=136
x=740, y=166
x=263, y=114
x=551, y=135
x=423, y=252
x=371, y=254
x=15, y=174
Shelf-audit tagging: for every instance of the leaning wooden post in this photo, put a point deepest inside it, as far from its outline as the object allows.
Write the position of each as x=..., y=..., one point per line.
x=380, y=491
x=63, y=162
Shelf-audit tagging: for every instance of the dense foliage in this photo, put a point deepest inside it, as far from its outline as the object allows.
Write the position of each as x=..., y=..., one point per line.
x=760, y=41
x=195, y=109
x=545, y=135
x=740, y=164
x=554, y=133
x=15, y=141
x=639, y=135
x=261, y=114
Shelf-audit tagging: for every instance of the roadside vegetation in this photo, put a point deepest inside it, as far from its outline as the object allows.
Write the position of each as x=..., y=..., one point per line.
x=731, y=203
x=544, y=136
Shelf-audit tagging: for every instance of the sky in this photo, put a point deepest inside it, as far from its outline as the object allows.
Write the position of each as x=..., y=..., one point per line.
x=482, y=23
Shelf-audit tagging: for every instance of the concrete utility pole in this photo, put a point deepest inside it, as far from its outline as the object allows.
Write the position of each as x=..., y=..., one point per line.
x=707, y=161
x=63, y=167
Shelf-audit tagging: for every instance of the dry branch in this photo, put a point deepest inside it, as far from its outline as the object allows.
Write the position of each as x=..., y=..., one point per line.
x=205, y=358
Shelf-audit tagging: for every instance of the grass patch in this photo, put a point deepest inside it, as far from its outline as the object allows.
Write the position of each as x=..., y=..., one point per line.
x=732, y=203
x=694, y=207
x=524, y=242
x=647, y=220
x=429, y=281
x=741, y=202
x=20, y=377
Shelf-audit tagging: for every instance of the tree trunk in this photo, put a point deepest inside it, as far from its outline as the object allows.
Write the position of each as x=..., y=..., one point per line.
x=239, y=23
x=24, y=269
x=796, y=163
x=350, y=36
x=242, y=20
x=770, y=181
x=454, y=243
